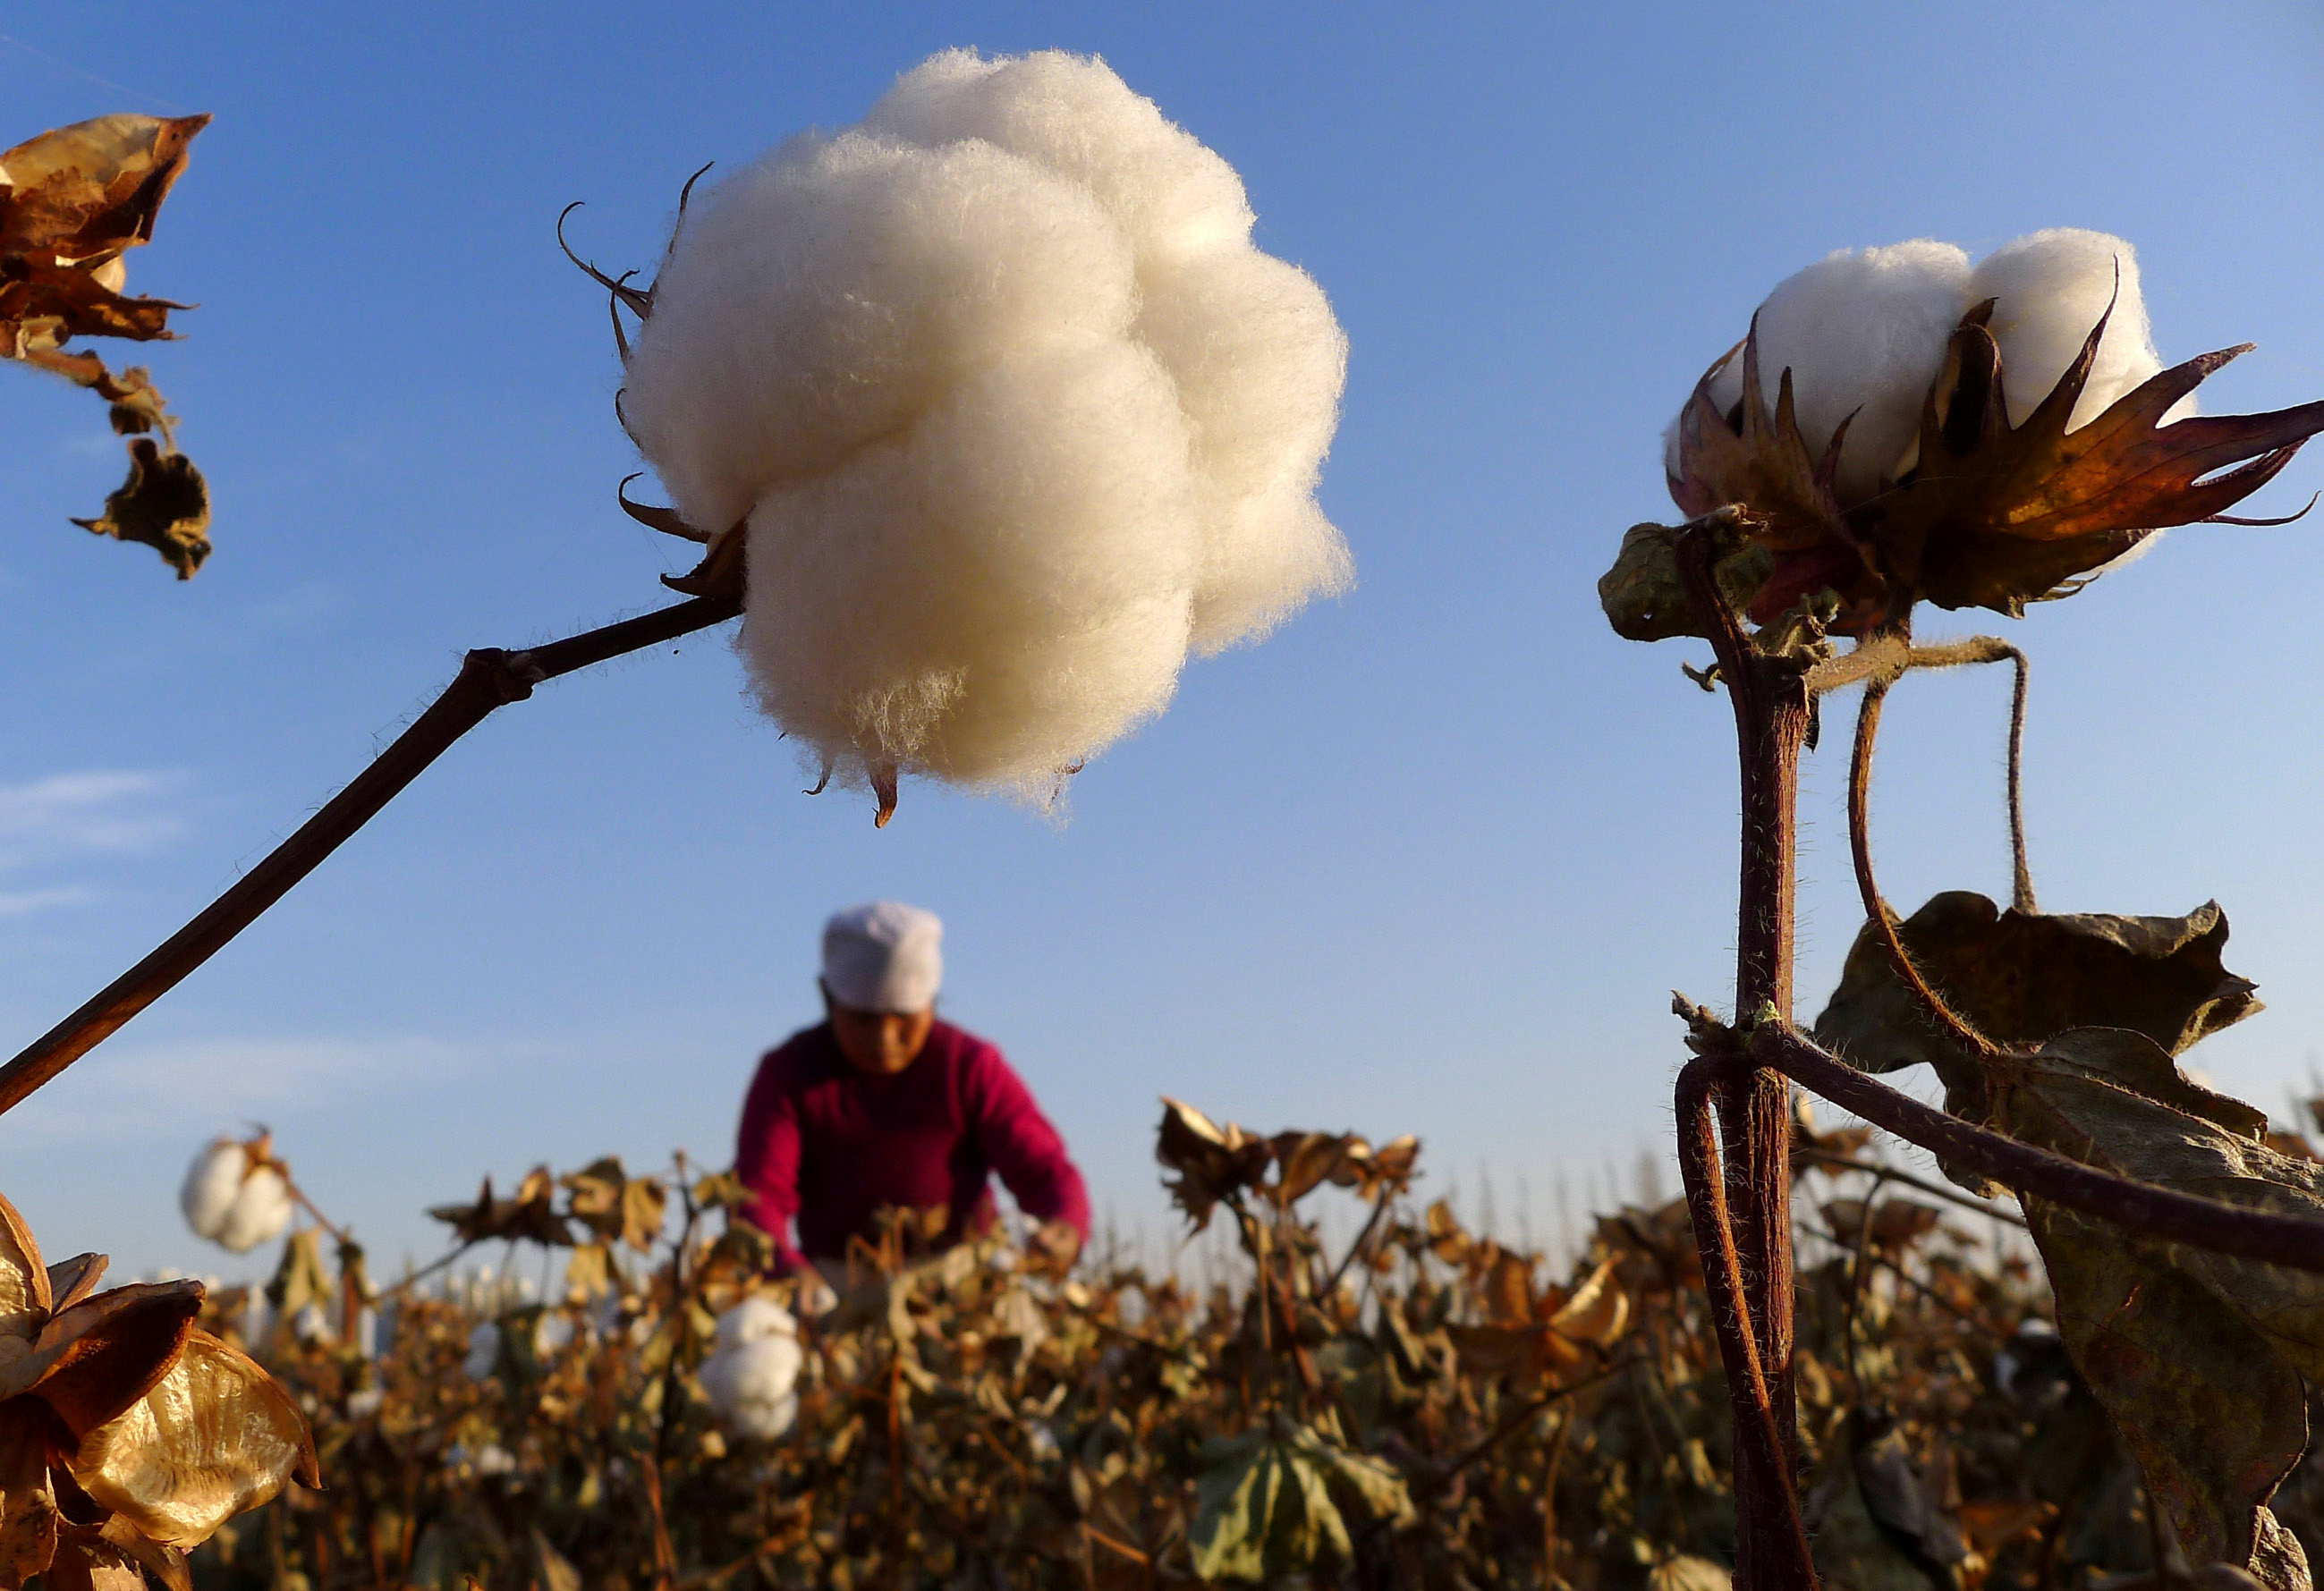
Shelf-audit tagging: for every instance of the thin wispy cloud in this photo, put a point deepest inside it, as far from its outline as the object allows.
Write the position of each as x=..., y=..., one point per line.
x=226, y=1084
x=101, y=812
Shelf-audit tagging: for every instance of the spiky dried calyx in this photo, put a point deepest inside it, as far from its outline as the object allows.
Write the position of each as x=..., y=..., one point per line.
x=1988, y=515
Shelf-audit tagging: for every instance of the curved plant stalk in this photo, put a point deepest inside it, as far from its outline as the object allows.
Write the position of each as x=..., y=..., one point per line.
x=489, y=678
x=2292, y=1241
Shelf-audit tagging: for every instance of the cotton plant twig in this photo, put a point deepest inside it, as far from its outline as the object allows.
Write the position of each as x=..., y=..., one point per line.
x=2292, y=1241
x=1829, y=1163
x=489, y=678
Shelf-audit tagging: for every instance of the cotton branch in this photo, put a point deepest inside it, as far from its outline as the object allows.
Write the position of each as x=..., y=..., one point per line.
x=489, y=678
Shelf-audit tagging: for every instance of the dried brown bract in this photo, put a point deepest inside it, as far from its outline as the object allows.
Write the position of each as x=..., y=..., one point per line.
x=126, y=1434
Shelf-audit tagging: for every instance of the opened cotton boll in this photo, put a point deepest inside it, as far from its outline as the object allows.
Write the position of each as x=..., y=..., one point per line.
x=1864, y=333
x=751, y=1378
x=235, y=1198
x=2048, y=291
x=1011, y=415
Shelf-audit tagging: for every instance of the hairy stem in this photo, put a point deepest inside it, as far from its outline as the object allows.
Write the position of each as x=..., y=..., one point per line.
x=1770, y=697
x=1772, y=1546
x=2290, y=1241
x=489, y=678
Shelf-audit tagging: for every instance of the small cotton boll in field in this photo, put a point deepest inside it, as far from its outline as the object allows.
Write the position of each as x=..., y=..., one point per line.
x=1016, y=412
x=1863, y=331
x=751, y=1377
x=231, y=1204
x=2049, y=289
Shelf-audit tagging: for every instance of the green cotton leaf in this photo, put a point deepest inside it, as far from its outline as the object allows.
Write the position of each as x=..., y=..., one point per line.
x=2201, y=1359
x=1266, y=1507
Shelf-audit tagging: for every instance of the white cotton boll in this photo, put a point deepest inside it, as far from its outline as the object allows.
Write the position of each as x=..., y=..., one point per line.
x=1863, y=331
x=259, y=1213
x=484, y=1352
x=2049, y=289
x=831, y=294
x=1072, y=113
x=232, y=1206
x=753, y=1375
x=1017, y=413
x=877, y=625
x=211, y=1184
x=754, y=1320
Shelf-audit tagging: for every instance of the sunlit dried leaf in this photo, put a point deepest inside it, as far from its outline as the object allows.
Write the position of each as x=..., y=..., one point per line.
x=73, y=1280
x=91, y=189
x=28, y=1502
x=1596, y=1311
x=216, y=1436
x=1896, y=1223
x=101, y=1356
x=1212, y=1163
x=24, y=1292
x=300, y=1278
x=164, y=504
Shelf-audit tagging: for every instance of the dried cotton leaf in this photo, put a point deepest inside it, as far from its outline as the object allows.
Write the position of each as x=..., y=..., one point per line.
x=24, y=1293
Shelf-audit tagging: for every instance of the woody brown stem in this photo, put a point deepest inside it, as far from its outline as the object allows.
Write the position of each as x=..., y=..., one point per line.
x=489, y=678
x=1770, y=697
x=1771, y=1542
x=2292, y=1241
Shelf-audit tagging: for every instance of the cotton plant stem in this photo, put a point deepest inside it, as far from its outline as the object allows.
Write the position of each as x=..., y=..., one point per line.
x=2292, y=1241
x=1770, y=697
x=1767, y=1515
x=489, y=678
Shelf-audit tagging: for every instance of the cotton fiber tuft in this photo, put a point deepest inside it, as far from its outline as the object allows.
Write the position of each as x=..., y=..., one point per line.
x=1010, y=410
x=1864, y=333
x=2049, y=290
x=751, y=1377
x=231, y=1203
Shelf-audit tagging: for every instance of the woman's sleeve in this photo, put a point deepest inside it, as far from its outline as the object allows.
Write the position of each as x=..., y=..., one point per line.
x=1022, y=1146
x=767, y=1161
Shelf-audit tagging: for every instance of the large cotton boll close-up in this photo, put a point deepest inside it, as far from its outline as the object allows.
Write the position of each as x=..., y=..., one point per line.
x=1863, y=332
x=1015, y=412
x=751, y=1378
x=2049, y=289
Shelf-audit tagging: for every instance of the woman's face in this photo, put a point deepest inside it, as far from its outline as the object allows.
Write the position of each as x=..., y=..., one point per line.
x=880, y=1042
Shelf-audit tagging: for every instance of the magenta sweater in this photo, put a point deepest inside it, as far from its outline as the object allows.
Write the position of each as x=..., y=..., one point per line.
x=827, y=1145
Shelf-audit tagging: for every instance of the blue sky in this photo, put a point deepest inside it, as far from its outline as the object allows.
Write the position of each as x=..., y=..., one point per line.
x=1429, y=859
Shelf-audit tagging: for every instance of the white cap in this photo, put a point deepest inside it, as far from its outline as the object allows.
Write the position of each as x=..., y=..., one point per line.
x=883, y=957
